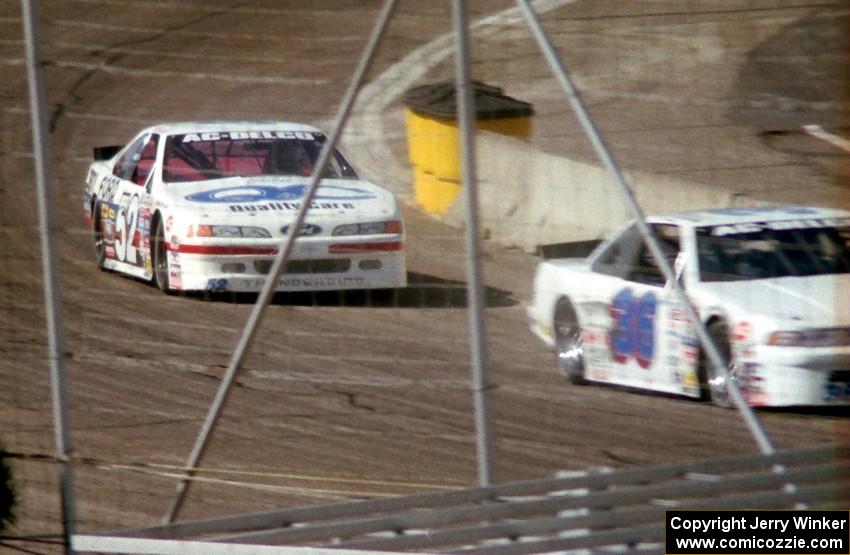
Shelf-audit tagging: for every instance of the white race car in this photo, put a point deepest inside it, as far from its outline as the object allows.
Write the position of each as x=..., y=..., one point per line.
x=206, y=206
x=772, y=286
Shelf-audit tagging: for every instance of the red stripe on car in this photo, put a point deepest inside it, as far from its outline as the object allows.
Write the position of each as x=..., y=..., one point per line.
x=224, y=250
x=364, y=247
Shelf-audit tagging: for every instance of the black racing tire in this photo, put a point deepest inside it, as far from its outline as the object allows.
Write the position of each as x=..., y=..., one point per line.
x=569, y=345
x=383, y=297
x=713, y=384
x=159, y=257
x=97, y=235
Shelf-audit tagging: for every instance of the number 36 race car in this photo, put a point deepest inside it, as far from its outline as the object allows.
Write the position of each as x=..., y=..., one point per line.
x=206, y=206
x=772, y=286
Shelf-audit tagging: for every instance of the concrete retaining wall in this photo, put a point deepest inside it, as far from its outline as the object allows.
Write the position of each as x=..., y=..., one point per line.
x=528, y=197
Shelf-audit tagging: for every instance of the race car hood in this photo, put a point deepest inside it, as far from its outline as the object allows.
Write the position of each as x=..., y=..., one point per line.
x=279, y=198
x=790, y=302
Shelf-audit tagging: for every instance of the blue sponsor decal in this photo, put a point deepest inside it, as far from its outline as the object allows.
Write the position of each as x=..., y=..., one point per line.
x=259, y=193
x=757, y=211
x=216, y=285
x=837, y=391
x=761, y=210
x=306, y=230
x=633, y=334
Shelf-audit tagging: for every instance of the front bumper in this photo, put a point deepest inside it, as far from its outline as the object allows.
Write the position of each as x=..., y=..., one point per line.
x=796, y=376
x=313, y=266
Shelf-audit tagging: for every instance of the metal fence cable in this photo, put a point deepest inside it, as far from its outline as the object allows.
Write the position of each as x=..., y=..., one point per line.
x=604, y=153
x=281, y=259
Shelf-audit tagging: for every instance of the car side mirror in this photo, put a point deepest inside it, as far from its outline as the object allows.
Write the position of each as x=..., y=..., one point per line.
x=678, y=268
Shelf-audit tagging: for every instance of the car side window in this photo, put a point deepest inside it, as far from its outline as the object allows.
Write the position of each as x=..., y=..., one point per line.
x=137, y=161
x=147, y=159
x=620, y=255
x=629, y=258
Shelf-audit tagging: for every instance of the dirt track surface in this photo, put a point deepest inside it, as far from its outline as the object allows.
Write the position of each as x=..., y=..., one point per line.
x=340, y=397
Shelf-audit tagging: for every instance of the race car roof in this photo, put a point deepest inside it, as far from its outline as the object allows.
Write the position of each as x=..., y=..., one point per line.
x=727, y=216
x=209, y=126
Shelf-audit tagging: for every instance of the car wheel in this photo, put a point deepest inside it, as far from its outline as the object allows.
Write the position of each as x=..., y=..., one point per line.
x=97, y=236
x=569, y=347
x=712, y=380
x=159, y=257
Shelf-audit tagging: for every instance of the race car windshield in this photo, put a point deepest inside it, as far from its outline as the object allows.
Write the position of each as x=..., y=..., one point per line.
x=205, y=156
x=773, y=250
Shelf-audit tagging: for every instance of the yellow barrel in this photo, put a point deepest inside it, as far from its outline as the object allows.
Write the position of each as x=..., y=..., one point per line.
x=416, y=137
x=442, y=155
x=433, y=142
x=432, y=194
x=519, y=127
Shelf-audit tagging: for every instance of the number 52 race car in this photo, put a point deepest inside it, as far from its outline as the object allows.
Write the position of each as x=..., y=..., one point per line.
x=772, y=286
x=206, y=206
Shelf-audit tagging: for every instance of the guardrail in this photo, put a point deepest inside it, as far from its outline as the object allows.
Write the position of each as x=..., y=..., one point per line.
x=594, y=509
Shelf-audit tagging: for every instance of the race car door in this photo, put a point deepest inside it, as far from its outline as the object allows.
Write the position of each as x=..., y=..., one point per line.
x=637, y=334
x=127, y=213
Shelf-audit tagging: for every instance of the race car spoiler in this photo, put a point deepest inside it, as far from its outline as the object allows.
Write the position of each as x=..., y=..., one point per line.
x=568, y=249
x=106, y=152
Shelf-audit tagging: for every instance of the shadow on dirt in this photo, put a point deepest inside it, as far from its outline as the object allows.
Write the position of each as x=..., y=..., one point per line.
x=422, y=291
x=832, y=411
x=814, y=50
